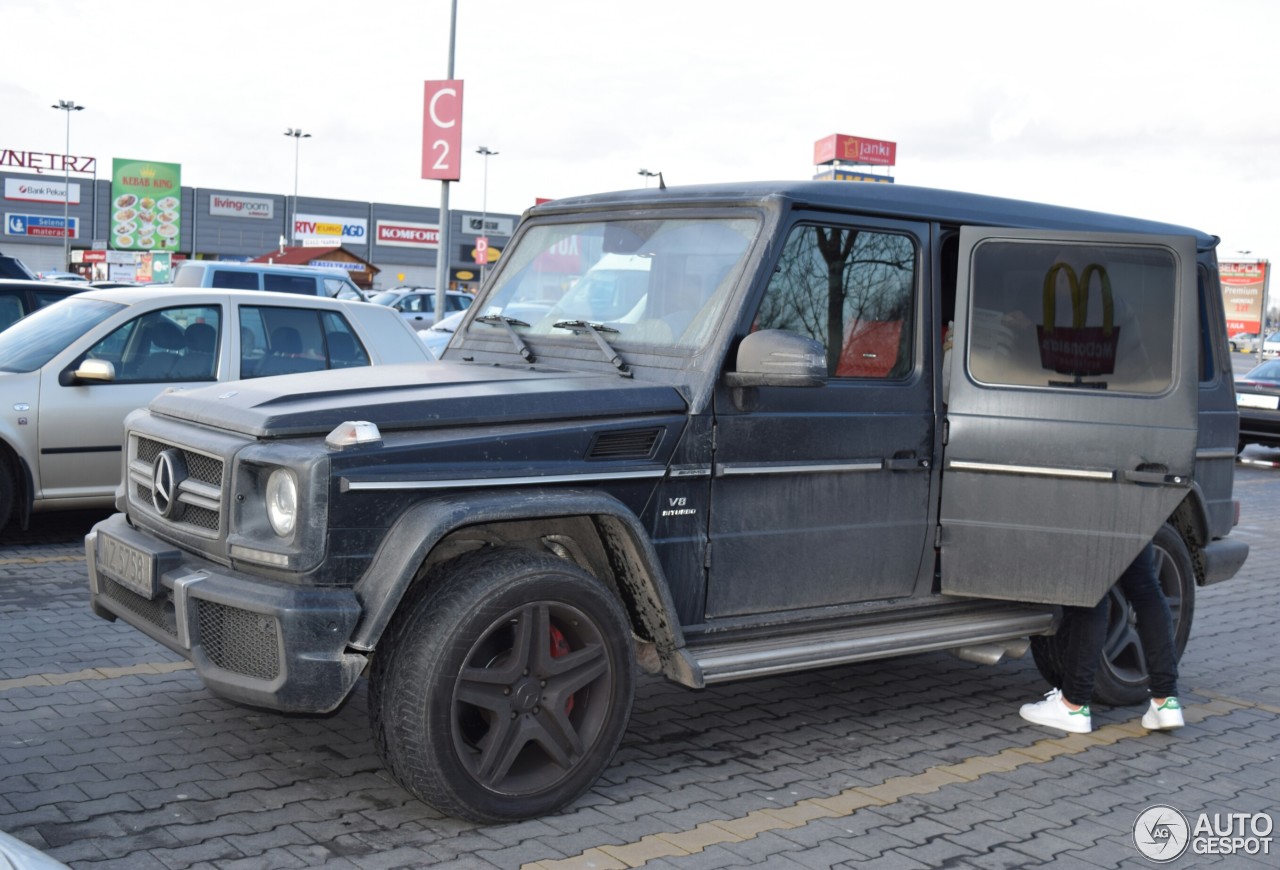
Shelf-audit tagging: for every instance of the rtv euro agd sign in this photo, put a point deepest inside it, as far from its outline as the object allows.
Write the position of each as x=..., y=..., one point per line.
x=1163, y=834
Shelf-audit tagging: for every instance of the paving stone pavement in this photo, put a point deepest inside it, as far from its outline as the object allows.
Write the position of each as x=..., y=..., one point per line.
x=113, y=755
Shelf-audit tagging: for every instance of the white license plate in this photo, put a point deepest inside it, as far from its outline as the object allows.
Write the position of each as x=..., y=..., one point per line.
x=1249, y=400
x=132, y=568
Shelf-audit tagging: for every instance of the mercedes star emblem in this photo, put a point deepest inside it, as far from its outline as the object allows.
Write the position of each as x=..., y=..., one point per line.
x=170, y=472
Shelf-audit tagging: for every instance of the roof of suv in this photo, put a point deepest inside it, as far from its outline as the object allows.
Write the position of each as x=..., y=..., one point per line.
x=887, y=200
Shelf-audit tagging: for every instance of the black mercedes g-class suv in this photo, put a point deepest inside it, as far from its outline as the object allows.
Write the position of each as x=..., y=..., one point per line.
x=708, y=431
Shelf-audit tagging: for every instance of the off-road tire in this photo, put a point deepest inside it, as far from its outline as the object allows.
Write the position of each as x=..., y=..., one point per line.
x=501, y=690
x=1122, y=677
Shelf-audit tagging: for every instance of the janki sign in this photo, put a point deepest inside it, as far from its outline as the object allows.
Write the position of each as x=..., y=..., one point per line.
x=838, y=148
x=146, y=205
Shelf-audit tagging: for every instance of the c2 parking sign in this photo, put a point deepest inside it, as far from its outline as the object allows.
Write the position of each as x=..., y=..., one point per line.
x=442, y=130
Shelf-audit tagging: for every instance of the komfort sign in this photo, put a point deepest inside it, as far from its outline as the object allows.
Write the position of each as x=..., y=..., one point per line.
x=406, y=234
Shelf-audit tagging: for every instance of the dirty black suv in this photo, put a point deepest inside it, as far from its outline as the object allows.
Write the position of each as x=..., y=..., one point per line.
x=711, y=432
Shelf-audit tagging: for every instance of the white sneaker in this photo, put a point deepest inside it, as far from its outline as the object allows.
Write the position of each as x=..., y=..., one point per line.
x=1165, y=717
x=1054, y=712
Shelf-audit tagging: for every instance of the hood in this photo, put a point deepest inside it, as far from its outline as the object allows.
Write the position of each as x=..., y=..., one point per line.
x=414, y=396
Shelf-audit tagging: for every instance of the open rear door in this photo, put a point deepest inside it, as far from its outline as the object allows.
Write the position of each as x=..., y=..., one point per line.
x=1072, y=409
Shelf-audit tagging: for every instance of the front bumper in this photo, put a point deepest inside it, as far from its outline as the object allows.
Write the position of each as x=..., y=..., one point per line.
x=252, y=641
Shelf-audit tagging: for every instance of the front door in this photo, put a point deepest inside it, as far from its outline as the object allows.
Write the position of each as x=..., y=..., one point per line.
x=82, y=424
x=820, y=496
x=1071, y=424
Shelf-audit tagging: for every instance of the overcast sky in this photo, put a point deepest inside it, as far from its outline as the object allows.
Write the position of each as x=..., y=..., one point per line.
x=1165, y=110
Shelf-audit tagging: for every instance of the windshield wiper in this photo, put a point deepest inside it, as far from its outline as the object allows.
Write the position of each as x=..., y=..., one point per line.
x=596, y=330
x=510, y=323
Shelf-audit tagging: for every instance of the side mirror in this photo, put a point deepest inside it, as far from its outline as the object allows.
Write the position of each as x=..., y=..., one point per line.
x=93, y=371
x=778, y=358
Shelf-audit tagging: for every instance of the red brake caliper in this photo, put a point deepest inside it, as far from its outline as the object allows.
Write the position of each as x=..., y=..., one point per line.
x=560, y=647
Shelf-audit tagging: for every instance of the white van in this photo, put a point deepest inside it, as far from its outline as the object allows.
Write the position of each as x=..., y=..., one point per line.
x=307, y=280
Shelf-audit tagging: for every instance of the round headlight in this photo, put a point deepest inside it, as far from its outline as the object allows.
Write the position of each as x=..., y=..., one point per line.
x=282, y=502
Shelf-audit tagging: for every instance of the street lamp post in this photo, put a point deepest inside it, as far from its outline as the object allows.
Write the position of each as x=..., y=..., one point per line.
x=67, y=106
x=647, y=175
x=298, y=136
x=484, y=205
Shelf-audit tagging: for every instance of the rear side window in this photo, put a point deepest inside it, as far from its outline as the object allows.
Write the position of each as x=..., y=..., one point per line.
x=289, y=284
x=280, y=341
x=1094, y=317
x=231, y=280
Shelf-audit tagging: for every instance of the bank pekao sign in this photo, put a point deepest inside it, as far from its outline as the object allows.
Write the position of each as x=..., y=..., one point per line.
x=23, y=190
x=241, y=206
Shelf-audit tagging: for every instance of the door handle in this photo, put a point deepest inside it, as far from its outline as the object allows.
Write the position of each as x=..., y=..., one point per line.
x=1156, y=478
x=906, y=463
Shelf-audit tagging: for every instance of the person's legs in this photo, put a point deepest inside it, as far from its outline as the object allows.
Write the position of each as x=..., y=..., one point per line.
x=1140, y=584
x=1068, y=708
x=1086, y=629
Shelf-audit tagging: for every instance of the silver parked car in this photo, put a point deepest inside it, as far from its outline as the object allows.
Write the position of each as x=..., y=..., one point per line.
x=70, y=372
x=419, y=307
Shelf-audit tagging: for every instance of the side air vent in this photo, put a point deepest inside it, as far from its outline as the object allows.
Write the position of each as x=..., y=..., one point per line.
x=626, y=444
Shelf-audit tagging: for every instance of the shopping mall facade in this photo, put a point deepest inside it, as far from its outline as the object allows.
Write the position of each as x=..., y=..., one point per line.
x=113, y=224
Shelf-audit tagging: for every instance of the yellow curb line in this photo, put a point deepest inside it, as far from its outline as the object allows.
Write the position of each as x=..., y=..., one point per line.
x=91, y=674
x=40, y=560
x=679, y=844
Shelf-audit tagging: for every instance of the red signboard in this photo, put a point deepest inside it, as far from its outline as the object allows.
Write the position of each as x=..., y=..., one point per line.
x=442, y=130
x=1244, y=287
x=482, y=250
x=854, y=149
x=408, y=234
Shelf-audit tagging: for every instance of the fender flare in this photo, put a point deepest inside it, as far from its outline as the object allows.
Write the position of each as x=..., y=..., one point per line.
x=415, y=534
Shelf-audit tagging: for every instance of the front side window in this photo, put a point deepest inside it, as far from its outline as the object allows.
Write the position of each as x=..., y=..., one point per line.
x=654, y=281
x=1078, y=316
x=853, y=291
x=171, y=344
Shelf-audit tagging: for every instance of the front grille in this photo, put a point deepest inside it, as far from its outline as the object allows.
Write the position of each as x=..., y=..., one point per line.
x=200, y=495
x=158, y=612
x=239, y=641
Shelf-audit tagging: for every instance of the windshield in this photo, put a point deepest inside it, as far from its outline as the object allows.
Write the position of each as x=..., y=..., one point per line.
x=661, y=282
x=38, y=337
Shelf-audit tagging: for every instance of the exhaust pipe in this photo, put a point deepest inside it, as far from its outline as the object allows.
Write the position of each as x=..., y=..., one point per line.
x=993, y=653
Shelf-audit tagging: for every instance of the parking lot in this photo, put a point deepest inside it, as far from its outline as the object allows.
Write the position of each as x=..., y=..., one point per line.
x=112, y=754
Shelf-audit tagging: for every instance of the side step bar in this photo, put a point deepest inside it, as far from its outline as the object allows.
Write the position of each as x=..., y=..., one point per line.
x=969, y=629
